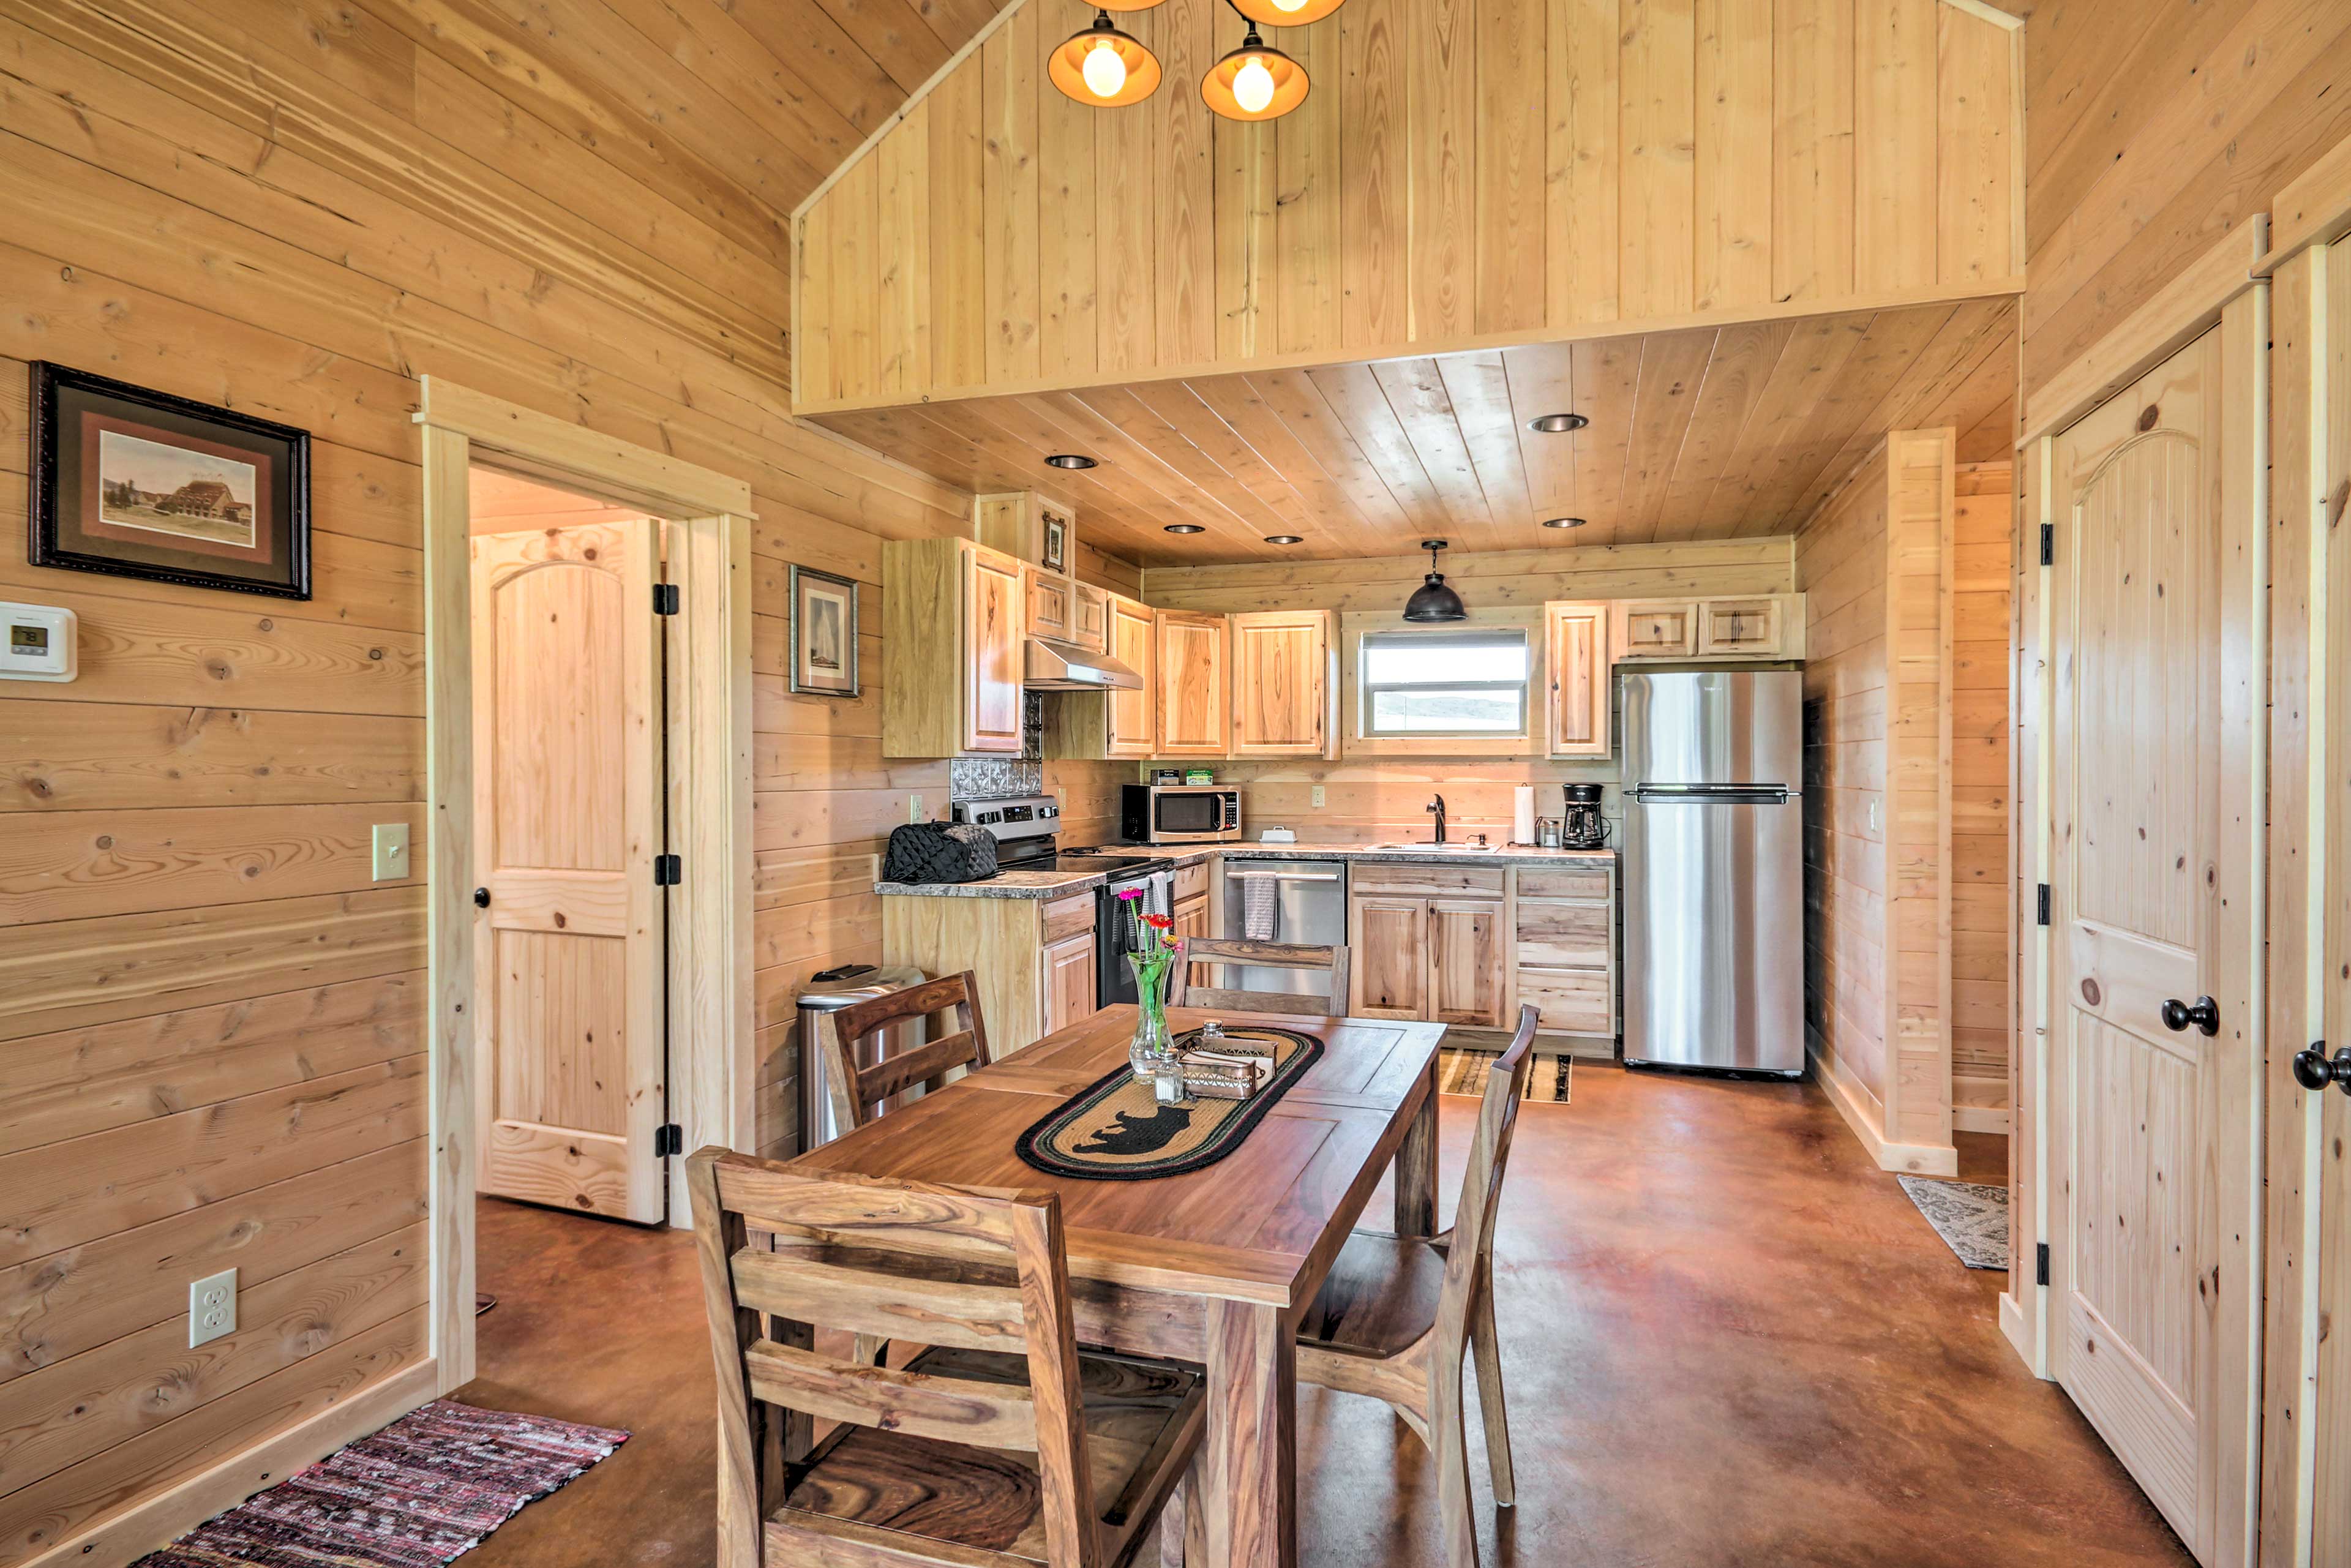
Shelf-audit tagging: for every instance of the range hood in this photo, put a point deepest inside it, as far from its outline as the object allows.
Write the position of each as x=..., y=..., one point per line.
x=1057, y=667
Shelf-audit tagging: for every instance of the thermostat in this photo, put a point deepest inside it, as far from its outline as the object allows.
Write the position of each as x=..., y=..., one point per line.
x=40, y=643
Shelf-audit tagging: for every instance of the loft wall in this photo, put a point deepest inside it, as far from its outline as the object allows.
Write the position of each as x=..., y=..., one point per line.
x=1984, y=566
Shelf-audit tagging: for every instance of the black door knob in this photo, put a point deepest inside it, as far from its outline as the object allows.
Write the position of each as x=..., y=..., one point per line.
x=2313, y=1072
x=481, y=898
x=2205, y=1015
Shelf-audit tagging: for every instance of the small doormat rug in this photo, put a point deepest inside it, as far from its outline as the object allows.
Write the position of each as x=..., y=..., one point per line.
x=1460, y=1071
x=420, y=1493
x=1971, y=1218
x=1115, y=1130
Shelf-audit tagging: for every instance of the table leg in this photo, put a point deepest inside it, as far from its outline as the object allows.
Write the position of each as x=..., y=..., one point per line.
x=1416, y=1167
x=1247, y=1467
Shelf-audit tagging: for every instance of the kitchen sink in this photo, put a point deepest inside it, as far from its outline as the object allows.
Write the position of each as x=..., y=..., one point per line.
x=1440, y=849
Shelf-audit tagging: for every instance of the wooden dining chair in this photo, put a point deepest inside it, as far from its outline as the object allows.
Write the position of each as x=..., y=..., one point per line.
x=1396, y=1314
x=1182, y=993
x=998, y=1445
x=855, y=1091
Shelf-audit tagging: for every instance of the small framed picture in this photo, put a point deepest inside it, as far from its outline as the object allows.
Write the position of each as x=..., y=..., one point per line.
x=142, y=484
x=1056, y=550
x=824, y=633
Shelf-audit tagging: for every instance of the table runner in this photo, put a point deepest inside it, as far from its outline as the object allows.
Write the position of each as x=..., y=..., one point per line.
x=1115, y=1130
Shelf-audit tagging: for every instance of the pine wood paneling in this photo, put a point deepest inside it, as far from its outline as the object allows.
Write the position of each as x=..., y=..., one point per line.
x=1983, y=551
x=1468, y=173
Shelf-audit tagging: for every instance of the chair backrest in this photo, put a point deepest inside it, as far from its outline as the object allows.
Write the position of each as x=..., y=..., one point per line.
x=899, y=1261
x=1182, y=993
x=1481, y=1180
x=855, y=1093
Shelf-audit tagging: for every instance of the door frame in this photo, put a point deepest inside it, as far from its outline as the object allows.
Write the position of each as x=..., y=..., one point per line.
x=2217, y=290
x=708, y=742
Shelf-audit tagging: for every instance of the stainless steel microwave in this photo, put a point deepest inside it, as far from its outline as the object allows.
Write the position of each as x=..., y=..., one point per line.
x=1179, y=814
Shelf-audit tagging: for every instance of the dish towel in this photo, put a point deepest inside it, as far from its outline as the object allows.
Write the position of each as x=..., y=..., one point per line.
x=1261, y=907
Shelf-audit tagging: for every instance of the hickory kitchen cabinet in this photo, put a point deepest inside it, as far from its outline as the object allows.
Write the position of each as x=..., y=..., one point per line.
x=1575, y=656
x=1193, y=687
x=1113, y=726
x=954, y=614
x=1760, y=626
x=1285, y=666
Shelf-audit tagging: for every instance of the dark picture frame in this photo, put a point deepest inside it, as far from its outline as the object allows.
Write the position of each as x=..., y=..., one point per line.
x=1056, y=547
x=824, y=633
x=130, y=482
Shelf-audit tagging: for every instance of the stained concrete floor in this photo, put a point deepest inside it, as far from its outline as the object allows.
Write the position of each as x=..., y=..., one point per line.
x=1728, y=1339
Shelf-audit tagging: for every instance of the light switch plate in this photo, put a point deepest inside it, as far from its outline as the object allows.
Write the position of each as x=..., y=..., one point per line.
x=1318, y=794
x=211, y=1308
x=391, y=852
x=914, y=808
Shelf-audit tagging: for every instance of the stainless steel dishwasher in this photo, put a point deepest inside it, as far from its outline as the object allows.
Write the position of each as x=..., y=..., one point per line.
x=1310, y=906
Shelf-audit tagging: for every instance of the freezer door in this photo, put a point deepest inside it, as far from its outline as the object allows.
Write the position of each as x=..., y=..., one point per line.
x=1311, y=909
x=1714, y=923
x=1713, y=726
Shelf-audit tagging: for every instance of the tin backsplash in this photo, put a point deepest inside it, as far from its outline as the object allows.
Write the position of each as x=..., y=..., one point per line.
x=995, y=777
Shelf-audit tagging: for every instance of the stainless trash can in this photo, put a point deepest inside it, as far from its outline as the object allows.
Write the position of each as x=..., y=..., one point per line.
x=829, y=991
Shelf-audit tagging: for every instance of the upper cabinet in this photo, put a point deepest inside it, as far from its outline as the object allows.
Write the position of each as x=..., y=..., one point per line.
x=953, y=618
x=1192, y=683
x=1089, y=617
x=1110, y=725
x=1285, y=682
x=1763, y=626
x=1051, y=601
x=1576, y=654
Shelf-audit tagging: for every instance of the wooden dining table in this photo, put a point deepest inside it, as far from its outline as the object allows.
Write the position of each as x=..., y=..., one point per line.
x=1213, y=1266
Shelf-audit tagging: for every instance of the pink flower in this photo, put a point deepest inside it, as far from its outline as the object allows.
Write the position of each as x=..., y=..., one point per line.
x=1128, y=894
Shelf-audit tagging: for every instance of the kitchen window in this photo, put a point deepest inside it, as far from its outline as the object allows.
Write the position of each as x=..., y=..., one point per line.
x=1452, y=682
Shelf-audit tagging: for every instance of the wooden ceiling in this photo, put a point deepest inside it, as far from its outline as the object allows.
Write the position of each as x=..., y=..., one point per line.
x=1713, y=433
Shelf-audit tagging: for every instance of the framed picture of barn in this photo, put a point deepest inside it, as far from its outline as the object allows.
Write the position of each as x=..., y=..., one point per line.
x=142, y=484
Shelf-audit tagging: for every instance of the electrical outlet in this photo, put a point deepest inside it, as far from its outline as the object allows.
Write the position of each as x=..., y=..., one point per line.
x=391, y=852
x=211, y=1308
x=1318, y=794
x=914, y=808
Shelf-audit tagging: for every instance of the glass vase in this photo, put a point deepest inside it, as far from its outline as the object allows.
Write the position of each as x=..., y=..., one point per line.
x=1152, y=1052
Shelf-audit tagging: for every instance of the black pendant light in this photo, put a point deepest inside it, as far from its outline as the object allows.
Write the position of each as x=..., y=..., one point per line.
x=1433, y=601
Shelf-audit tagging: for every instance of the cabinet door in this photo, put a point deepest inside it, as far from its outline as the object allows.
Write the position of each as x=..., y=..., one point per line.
x=1192, y=917
x=1387, y=952
x=1070, y=982
x=1465, y=963
x=1049, y=603
x=1656, y=628
x=1089, y=617
x=1194, y=697
x=1575, y=645
x=1752, y=627
x=1133, y=639
x=1281, y=682
x=992, y=618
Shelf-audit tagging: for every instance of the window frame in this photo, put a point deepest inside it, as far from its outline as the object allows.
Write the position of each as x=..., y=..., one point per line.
x=1367, y=691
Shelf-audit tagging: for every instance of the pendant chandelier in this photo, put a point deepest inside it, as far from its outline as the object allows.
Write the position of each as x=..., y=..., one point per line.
x=1434, y=600
x=1105, y=67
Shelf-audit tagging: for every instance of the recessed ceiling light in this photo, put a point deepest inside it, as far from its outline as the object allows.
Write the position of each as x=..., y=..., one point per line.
x=1556, y=424
x=1069, y=460
x=1185, y=529
x=1563, y=522
x=1284, y=540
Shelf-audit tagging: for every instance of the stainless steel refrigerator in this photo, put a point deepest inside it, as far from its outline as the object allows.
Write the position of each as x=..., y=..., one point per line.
x=1714, y=870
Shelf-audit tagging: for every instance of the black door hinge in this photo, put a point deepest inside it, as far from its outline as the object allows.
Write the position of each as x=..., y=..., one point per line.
x=2049, y=544
x=669, y=1138
x=668, y=871
x=2042, y=895
x=665, y=598
x=2041, y=1264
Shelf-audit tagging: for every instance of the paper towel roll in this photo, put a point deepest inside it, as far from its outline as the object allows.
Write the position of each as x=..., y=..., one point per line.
x=1522, y=814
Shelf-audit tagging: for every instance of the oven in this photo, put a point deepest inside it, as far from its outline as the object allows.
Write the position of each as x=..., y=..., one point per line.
x=1179, y=814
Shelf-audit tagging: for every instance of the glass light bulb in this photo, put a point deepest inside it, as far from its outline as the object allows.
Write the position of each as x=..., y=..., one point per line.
x=1104, y=72
x=1253, y=85
x=1290, y=5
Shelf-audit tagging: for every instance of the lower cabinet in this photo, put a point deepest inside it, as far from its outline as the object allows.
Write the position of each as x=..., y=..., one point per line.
x=1465, y=963
x=1565, y=920
x=1387, y=954
x=1070, y=994
x=1468, y=945
x=1192, y=917
x=1033, y=959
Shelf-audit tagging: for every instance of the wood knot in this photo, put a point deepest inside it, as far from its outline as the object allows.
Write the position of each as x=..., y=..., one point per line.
x=2148, y=417
x=2090, y=992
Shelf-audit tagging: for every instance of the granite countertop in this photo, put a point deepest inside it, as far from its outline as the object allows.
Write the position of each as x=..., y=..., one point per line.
x=1003, y=884
x=1502, y=855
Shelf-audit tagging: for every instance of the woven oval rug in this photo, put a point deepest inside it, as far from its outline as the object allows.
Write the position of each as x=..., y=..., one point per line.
x=1116, y=1129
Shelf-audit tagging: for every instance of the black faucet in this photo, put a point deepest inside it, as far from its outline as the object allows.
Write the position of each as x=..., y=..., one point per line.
x=1436, y=804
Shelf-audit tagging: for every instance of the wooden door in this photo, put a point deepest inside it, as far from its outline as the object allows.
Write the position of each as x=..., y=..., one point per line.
x=1465, y=962
x=1752, y=627
x=2150, y=1178
x=1387, y=955
x=1283, y=685
x=1654, y=629
x=566, y=822
x=1575, y=645
x=1070, y=994
x=1133, y=642
x=1192, y=917
x=993, y=615
x=1194, y=694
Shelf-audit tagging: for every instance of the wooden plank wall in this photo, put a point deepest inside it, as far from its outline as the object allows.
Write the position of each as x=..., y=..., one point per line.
x=1372, y=799
x=2153, y=130
x=1984, y=543
x=1917, y=1106
x=214, y=1030
x=1458, y=176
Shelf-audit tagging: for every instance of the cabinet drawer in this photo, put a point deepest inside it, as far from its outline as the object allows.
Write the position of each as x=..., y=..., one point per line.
x=1569, y=1001
x=1068, y=918
x=1191, y=882
x=1565, y=936
x=1440, y=881
x=1563, y=882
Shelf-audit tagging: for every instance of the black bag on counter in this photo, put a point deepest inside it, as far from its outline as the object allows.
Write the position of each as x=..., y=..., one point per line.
x=939, y=852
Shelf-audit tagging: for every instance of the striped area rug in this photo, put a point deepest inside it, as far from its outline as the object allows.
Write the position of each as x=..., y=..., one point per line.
x=1460, y=1071
x=421, y=1492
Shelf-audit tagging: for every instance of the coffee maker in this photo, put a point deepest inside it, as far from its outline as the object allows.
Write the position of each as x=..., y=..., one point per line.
x=1584, y=828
